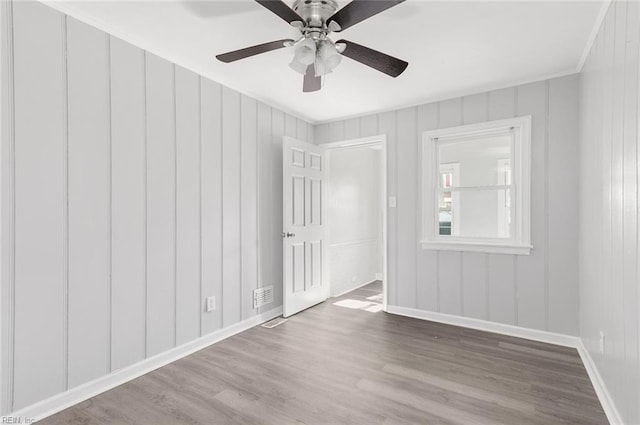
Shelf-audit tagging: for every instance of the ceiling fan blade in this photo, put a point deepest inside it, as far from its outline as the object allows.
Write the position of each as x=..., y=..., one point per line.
x=359, y=10
x=311, y=83
x=376, y=60
x=251, y=51
x=281, y=9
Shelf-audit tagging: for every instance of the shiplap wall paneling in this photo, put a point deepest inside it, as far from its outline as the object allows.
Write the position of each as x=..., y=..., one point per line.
x=265, y=192
x=352, y=128
x=590, y=148
x=450, y=267
x=450, y=282
x=161, y=205
x=617, y=184
x=211, y=202
x=408, y=207
x=277, y=132
x=321, y=133
x=369, y=126
x=474, y=285
x=249, y=205
x=336, y=131
x=231, y=267
x=501, y=282
x=530, y=269
x=631, y=299
x=128, y=206
x=474, y=264
x=40, y=203
x=188, y=255
x=501, y=273
x=89, y=202
x=608, y=235
x=301, y=129
x=606, y=324
x=290, y=126
x=427, y=291
x=6, y=204
x=608, y=48
x=562, y=205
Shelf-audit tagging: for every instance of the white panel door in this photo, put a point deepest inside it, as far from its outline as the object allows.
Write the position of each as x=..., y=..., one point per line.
x=304, y=234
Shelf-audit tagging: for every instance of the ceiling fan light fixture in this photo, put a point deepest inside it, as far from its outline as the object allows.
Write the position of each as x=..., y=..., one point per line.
x=305, y=52
x=327, y=58
x=297, y=66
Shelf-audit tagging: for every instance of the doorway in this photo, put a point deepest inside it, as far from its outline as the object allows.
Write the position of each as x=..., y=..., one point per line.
x=356, y=215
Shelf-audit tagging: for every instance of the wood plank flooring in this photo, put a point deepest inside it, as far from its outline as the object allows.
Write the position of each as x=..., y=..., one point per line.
x=346, y=362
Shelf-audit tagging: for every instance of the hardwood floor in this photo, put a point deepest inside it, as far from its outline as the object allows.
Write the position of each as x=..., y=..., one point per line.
x=346, y=362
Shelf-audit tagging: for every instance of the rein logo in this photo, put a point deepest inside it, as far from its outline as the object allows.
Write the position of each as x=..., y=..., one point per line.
x=16, y=420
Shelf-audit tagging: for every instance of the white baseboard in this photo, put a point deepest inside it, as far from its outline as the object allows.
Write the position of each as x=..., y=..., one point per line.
x=599, y=386
x=352, y=289
x=83, y=392
x=484, y=325
x=379, y=276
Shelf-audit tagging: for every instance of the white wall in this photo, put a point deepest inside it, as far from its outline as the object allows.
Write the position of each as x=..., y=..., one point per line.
x=355, y=217
x=609, y=293
x=538, y=291
x=132, y=189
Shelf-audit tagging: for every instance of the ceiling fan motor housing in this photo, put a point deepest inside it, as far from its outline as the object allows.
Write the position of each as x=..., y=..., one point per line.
x=315, y=12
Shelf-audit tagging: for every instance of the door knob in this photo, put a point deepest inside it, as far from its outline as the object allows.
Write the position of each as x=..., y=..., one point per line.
x=288, y=235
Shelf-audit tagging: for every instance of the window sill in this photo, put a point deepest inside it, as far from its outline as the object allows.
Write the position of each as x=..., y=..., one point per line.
x=491, y=248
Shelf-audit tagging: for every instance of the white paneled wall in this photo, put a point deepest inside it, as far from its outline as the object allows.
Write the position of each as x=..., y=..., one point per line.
x=140, y=189
x=609, y=295
x=536, y=291
x=88, y=189
x=128, y=204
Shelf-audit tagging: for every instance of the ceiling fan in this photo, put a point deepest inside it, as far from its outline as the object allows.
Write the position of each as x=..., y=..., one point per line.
x=315, y=53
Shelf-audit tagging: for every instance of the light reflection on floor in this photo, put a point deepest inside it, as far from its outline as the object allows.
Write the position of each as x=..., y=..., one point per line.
x=372, y=306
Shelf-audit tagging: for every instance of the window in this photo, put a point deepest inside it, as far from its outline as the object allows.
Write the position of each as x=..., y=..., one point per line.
x=477, y=187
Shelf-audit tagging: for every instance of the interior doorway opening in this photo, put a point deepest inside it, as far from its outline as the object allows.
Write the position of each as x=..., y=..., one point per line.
x=356, y=219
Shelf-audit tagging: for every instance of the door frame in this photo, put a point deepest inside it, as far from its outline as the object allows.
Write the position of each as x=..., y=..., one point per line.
x=378, y=140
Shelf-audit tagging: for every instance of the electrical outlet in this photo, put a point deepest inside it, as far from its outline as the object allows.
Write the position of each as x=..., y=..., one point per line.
x=601, y=342
x=211, y=303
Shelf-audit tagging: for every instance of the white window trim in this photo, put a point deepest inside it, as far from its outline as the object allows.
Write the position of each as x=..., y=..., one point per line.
x=520, y=242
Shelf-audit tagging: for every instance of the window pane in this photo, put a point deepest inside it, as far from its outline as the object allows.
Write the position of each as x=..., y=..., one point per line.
x=445, y=213
x=475, y=213
x=478, y=162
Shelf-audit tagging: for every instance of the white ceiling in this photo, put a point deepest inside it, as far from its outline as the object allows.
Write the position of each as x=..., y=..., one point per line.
x=453, y=48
